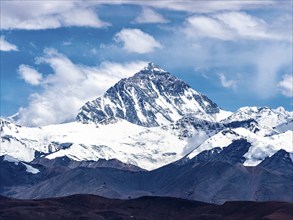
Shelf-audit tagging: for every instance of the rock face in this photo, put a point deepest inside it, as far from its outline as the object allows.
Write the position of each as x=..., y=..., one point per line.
x=281, y=161
x=150, y=98
x=69, y=163
x=232, y=154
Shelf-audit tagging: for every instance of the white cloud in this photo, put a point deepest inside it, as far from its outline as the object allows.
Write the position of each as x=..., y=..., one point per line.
x=66, y=43
x=232, y=26
x=69, y=87
x=227, y=83
x=6, y=46
x=202, y=6
x=195, y=141
x=150, y=16
x=30, y=75
x=137, y=41
x=43, y=14
x=286, y=85
x=35, y=15
x=93, y=51
x=269, y=61
x=203, y=26
x=210, y=6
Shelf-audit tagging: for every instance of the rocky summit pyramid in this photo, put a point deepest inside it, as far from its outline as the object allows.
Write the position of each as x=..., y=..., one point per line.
x=150, y=98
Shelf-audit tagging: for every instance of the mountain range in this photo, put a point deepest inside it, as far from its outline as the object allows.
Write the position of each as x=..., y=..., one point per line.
x=152, y=134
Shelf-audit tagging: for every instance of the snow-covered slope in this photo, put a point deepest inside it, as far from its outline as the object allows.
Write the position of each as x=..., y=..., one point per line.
x=285, y=126
x=263, y=115
x=150, y=98
x=261, y=146
x=22, y=142
x=148, y=148
x=16, y=162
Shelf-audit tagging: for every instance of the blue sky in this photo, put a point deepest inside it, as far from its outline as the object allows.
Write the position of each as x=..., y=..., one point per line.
x=56, y=55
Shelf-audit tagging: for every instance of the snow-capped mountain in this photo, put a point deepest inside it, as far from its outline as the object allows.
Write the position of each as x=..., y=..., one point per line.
x=180, y=141
x=253, y=126
x=148, y=148
x=260, y=146
x=263, y=115
x=150, y=120
x=150, y=98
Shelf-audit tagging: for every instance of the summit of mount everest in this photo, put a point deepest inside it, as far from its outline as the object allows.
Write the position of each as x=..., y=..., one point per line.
x=150, y=98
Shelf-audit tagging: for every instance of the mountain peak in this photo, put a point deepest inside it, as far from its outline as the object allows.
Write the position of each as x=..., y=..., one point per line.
x=263, y=115
x=150, y=98
x=152, y=67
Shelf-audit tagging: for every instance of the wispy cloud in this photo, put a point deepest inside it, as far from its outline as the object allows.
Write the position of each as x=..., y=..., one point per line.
x=6, y=46
x=30, y=75
x=69, y=87
x=137, y=41
x=232, y=26
x=204, y=6
x=35, y=15
x=269, y=61
x=66, y=43
x=227, y=83
x=148, y=15
x=286, y=85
